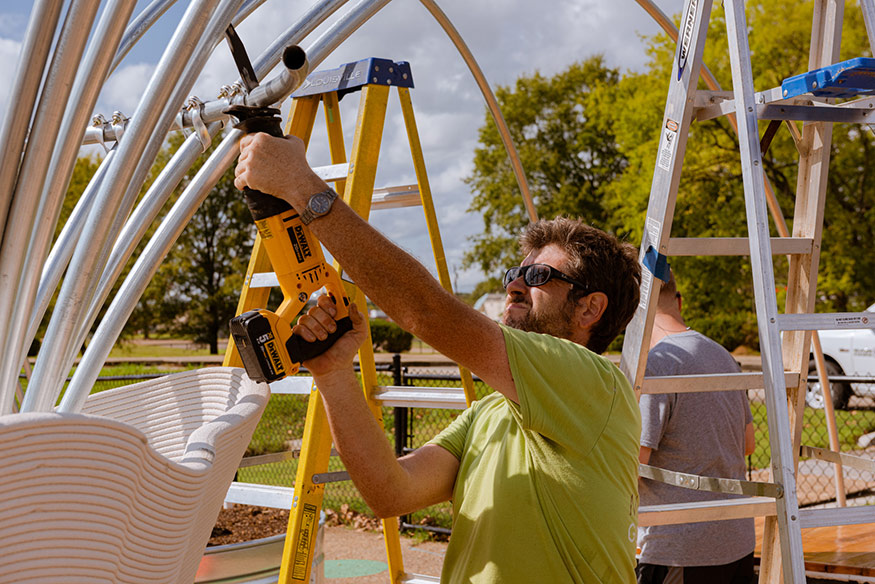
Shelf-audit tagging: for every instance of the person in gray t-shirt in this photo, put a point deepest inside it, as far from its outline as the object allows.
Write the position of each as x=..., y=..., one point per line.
x=703, y=433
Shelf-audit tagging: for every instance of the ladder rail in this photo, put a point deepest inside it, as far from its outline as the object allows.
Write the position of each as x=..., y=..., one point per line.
x=783, y=461
x=676, y=121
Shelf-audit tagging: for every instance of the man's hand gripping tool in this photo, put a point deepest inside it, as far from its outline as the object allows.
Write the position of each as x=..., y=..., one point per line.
x=264, y=339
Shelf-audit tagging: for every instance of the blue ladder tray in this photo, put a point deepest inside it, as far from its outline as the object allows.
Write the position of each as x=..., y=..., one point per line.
x=846, y=79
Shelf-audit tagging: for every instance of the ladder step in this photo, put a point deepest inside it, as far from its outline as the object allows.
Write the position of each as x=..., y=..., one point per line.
x=330, y=477
x=826, y=321
x=405, y=396
x=351, y=77
x=846, y=79
x=271, y=496
x=332, y=172
x=292, y=454
x=712, y=382
x=719, y=510
x=846, y=460
x=735, y=246
x=854, y=112
x=419, y=579
x=836, y=516
x=396, y=197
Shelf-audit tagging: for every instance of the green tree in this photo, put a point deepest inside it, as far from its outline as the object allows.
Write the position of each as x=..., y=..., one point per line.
x=626, y=113
x=569, y=156
x=204, y=271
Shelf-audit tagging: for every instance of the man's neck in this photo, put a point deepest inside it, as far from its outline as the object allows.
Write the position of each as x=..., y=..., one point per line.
x=665, y=324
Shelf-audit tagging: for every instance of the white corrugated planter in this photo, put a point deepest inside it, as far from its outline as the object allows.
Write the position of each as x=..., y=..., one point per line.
x=128, y=491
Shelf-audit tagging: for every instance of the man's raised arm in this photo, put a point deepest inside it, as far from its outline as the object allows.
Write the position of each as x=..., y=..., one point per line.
x=394, y=280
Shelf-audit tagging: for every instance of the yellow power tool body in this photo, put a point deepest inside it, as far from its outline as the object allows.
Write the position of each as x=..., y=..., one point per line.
x=263, y=338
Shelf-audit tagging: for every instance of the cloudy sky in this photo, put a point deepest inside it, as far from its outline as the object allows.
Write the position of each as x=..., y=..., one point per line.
x=509, y=38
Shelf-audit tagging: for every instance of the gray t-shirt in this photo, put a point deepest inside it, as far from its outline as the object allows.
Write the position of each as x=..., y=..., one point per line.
x=700, y=433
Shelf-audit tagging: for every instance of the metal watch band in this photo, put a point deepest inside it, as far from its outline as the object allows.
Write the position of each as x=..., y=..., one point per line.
x=309, y=214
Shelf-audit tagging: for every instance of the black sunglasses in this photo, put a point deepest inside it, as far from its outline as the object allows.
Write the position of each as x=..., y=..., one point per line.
x=538, y=275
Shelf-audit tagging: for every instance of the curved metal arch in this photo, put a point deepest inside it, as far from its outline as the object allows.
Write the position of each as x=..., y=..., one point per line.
x=491, y=102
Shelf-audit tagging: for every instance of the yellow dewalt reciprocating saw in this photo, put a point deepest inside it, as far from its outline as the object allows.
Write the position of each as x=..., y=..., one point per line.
x=264, y=339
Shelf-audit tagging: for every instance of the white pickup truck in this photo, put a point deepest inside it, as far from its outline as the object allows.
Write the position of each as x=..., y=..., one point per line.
x=848, y=353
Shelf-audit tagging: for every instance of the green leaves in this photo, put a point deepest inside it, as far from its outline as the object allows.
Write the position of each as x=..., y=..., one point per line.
x=588, y=139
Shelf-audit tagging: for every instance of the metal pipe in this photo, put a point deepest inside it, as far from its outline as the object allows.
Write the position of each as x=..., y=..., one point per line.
x=142, y=272
x=342, y=29
x=150, y=15
x=491, y=103
x=19, y=263
x=86, y=88
x=22, y=97
x=148, y=262
x=288, y=79
x=63, y=249
x=138, y=27
x=214, y=110
x=209, y=38
x=143, y=216
x=48, y=375
x=136, y=226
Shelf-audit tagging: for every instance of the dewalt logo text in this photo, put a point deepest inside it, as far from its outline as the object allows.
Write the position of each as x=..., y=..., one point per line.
x=275, y=359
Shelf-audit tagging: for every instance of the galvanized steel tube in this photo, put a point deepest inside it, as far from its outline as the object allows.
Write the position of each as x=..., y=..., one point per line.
x=49, y=372
x=207, y=42
x=22, y=97
x=20, y=264
x=491, y=103
x=64, y=246
x=142, y=272
x=138, y=27
x=148, y=262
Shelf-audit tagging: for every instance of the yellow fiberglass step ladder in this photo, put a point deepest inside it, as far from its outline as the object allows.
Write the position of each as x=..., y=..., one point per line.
x=784, y=338
x=354, y=179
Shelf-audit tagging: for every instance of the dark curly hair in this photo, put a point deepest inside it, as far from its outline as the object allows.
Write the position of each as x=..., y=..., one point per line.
x=598, y=259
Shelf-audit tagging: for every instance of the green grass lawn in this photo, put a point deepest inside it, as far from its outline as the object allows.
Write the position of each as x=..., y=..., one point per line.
x=850, y=424
x=130, y=350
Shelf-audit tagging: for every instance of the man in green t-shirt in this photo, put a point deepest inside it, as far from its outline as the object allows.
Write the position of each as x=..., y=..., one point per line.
x=542, y=473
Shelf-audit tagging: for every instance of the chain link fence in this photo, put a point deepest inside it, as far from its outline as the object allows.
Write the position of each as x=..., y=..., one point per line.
x=817, y=479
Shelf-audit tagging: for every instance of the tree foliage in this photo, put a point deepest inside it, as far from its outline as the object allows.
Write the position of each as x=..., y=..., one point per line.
x=592, y=103
x=569, y=158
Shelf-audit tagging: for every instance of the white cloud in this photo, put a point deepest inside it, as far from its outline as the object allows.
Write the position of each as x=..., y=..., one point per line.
x=124, y=89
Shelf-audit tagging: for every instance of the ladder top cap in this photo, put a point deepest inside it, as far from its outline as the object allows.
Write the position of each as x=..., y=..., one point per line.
x=846, y=79
x=353, y=76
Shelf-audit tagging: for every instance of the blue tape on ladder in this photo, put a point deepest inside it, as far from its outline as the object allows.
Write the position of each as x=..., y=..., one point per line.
x=353, y=76
x=657, y=264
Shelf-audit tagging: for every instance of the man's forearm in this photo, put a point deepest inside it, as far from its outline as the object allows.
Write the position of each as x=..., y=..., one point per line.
x=362, y=445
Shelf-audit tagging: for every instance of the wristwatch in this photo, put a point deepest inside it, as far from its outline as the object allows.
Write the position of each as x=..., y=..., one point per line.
x=318, y=205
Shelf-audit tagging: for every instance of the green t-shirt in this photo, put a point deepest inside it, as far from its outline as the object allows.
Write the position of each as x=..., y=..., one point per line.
x=547, y=489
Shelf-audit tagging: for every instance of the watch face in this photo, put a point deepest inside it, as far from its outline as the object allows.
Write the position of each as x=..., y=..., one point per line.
x=320, y=203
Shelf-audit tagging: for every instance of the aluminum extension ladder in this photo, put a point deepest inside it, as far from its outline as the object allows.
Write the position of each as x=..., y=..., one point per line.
x=784, y=338
x=355, y=180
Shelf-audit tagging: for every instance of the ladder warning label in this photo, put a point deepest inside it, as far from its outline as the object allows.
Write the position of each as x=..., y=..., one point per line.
x=304, y=543
x=668, y=144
